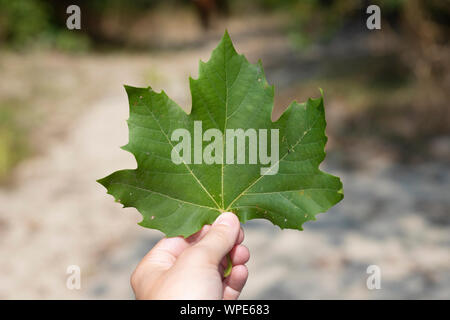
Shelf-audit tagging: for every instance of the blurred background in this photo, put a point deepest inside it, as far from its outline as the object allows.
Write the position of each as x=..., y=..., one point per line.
x=63, y=114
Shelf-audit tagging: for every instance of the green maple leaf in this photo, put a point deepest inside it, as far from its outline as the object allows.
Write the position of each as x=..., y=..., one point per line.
x=230, y=93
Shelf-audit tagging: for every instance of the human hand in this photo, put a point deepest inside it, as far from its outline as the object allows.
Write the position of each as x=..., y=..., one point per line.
x=193, y=268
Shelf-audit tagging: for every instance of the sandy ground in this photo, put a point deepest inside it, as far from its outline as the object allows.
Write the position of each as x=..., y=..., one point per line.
x=56, y=215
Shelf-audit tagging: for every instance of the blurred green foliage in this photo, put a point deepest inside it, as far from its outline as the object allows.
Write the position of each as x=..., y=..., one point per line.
x=13, y=144
x=313, y=20
x=42, y=22
x=22, y=20
x=30, y=23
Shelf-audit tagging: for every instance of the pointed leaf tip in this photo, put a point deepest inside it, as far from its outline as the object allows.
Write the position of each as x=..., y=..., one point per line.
x=226, y=41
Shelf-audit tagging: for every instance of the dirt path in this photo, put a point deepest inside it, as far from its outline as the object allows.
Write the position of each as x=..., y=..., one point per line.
x=56, y=215
x=392, y=217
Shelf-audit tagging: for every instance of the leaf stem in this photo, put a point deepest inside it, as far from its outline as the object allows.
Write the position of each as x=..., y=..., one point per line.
x=227, y=271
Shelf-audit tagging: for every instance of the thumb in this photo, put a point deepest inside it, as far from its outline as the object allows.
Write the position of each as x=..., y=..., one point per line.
x=220, y=238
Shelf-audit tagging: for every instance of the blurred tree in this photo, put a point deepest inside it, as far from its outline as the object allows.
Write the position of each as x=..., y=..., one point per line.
x=26, y=21
x=22, y=20
x=93, y=12
x=206, y=8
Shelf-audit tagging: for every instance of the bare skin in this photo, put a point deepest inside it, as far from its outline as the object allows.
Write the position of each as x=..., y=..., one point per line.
x=192, y=268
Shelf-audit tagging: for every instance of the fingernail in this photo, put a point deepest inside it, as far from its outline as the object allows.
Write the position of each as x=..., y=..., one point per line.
x=225, y=219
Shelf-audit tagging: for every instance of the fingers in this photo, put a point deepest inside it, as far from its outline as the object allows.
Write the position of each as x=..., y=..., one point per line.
x=219, y=240
x=163, y=256
x=239, y=255
x=167, y=250
x=240, y=236
x=196, y=237
x=235, y=282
